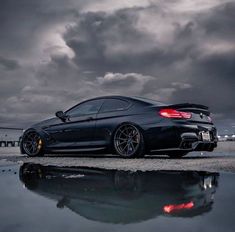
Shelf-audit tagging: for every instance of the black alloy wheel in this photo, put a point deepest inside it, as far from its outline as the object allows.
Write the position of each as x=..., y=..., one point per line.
x=32, y=144
x=128, y=141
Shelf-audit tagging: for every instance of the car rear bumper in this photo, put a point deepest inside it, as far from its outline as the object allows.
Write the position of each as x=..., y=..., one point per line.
x=194, y=142
x=184, y=137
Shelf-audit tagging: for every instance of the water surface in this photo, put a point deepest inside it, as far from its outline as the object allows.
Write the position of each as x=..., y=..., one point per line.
x=48, y=198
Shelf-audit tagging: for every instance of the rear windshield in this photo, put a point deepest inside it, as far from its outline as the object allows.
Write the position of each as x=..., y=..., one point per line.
x=149, y=101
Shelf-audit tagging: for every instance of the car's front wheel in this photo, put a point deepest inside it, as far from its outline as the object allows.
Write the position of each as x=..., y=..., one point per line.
x=32, y=144
x=128, y=141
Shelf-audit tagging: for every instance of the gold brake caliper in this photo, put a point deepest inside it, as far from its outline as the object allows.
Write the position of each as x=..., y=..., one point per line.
x=39, y=144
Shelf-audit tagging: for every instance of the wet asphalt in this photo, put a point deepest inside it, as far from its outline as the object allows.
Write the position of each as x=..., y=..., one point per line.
x=222, y=159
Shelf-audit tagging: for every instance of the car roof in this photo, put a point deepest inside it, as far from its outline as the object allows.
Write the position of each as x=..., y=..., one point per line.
x=149, y=101
x=134, y=98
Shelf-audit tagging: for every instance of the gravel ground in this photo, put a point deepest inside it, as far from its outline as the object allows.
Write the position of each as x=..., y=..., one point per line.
x=223, y=159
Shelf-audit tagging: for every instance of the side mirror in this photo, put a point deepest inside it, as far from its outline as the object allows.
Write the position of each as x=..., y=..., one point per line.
x=61, y=115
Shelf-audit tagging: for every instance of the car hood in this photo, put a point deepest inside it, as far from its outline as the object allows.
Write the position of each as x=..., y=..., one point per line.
x=46, y=122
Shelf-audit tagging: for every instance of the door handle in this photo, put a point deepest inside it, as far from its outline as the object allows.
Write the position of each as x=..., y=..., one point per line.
x=89, y=118
x=67, y=130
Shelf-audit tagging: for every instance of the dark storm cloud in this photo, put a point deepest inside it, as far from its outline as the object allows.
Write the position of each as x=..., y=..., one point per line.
x=173, y=51
x=220, y=21
x=213, y=72
x=8, y=64
x=105, y=42
x=213, y=83
x=24, y=23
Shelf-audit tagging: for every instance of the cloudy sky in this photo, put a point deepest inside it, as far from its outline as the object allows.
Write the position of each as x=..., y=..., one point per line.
x=55, y=53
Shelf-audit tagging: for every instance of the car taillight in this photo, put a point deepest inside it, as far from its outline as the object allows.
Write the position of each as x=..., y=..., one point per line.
x=172, y=113
x=172, y=208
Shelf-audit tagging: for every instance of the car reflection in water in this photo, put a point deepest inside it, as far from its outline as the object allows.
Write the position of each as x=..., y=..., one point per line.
x=114, y=196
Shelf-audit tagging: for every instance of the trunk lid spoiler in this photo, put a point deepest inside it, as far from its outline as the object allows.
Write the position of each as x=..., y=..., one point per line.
x=190, y=107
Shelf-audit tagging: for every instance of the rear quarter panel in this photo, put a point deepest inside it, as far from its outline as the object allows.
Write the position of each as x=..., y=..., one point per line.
x=144, y=117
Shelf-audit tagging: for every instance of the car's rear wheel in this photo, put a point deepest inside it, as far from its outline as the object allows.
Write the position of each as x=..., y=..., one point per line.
x=177, y=155
x=128, y=141
x=32, y=144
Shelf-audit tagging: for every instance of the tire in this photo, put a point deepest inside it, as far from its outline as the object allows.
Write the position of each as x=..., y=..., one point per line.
x=128, y=141
x=30, y=175
x=128, y=184
x=177, y=155
x=32, y=144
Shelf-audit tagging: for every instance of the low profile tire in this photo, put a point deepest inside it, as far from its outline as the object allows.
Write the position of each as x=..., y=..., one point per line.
x=128, y=141
x=177, y=155
x=32, y=144
x=30, y=175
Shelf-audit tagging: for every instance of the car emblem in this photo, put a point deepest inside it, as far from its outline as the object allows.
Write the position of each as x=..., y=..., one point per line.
x=201, y=115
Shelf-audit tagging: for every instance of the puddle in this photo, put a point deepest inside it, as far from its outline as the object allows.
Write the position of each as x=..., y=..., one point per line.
x=48, y=198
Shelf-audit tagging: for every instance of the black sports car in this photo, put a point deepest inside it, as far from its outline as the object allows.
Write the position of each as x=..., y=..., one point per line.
x=127, y=126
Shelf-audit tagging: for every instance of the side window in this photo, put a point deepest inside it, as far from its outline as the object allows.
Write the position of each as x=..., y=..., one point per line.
x=113, y=104
x=89, y=107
